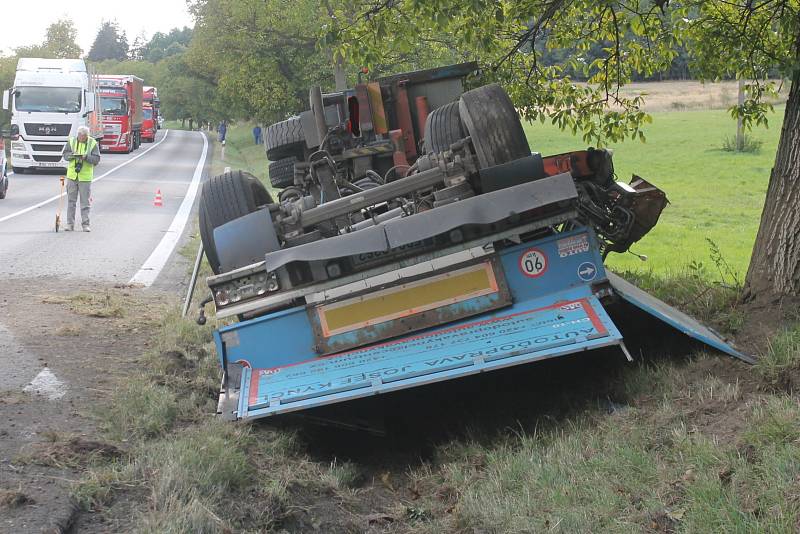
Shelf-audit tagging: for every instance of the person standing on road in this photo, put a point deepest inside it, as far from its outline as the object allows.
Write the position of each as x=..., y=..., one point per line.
x=82, y=153
x=257, y=134
x=222, y=129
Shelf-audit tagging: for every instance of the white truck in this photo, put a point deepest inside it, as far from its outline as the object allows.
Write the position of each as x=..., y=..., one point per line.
x=50, y=99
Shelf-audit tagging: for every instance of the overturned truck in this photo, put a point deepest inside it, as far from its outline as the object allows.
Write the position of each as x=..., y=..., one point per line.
x=416, y=238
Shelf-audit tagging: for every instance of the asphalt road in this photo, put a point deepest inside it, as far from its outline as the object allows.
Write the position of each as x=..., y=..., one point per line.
x=57, y=364
x=131, y=239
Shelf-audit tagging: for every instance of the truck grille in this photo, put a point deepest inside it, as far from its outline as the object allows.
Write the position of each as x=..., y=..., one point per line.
x=47, y=129
x=48, y=148
x=47, y=159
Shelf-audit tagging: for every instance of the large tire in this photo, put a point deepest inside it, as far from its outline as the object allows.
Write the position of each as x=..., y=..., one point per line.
x=443, y=128
x=224, y=198
x=494, y=126
x=281, y=172
x=284, y=139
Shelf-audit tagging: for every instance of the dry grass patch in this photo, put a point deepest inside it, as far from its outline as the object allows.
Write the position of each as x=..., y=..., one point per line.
x=14, y=498
x=69, y=330
x=125, y=304
x=139, y=409
x=780, y=366
x=63, y=451
x=684, y=95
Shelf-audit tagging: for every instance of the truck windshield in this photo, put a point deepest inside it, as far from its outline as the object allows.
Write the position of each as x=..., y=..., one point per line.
x=113, y=106
x=147, y=113
x=48, y=99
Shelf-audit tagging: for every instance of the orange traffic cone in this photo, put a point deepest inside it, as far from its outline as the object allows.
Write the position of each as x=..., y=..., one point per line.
x=158, y=202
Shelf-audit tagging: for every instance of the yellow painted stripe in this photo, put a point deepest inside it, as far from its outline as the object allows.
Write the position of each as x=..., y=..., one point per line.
x=379, y=122
x=408, y=300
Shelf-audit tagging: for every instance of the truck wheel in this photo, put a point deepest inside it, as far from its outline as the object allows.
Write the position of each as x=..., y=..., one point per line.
x=281, y=172
x=443, y=128
x=284, y=139
x=494, y=125
x=224, y=198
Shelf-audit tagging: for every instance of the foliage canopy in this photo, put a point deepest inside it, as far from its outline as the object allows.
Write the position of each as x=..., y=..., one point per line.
x=612, y=42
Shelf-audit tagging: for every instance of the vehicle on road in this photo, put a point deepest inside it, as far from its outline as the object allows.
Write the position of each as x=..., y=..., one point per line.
x=50, y=99
x=3, y=169
x=416, y=238
x=120, y=112
x=148, y=124
x=151, y=98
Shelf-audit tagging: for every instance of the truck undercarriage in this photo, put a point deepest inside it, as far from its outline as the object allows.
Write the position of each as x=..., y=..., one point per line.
x=416, y=239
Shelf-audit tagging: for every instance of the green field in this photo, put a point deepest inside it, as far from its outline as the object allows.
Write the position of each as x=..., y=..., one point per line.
x=713, y=194
x=241, y=152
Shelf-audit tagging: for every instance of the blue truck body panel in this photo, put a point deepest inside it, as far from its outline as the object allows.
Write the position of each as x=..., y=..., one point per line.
x=555, y=285
x=675, y=318
x=565, y=322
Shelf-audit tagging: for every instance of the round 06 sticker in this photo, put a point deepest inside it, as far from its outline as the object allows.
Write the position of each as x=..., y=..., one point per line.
x=533, y=263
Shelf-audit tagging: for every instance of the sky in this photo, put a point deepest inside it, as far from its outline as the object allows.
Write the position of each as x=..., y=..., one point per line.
x=25, y=21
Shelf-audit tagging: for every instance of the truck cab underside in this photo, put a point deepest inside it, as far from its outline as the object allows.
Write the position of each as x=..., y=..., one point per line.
x=479, y=255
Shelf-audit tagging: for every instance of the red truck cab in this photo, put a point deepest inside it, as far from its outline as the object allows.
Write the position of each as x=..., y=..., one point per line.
x=151, y=99
x=120, y=112
x=148, y=124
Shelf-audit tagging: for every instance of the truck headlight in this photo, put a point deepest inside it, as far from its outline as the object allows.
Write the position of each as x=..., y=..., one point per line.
x=18, y=145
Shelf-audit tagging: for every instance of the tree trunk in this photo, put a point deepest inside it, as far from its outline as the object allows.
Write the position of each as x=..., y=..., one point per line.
x=775, y=266
x=340, y=74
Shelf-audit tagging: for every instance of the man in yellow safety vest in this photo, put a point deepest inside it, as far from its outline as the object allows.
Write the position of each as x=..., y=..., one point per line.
x=82, y=153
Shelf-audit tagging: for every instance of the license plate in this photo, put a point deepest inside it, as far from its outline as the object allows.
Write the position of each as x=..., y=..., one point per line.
x=50, y=164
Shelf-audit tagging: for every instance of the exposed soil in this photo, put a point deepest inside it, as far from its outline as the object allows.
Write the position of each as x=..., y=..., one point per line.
x=764, y=316
x=44, y=443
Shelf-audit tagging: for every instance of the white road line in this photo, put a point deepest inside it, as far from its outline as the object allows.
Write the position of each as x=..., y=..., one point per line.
x=54, y=198
x=158, y=258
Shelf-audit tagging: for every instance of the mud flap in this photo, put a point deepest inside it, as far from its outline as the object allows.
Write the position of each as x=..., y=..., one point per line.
x=673, y=317
x=561, y=323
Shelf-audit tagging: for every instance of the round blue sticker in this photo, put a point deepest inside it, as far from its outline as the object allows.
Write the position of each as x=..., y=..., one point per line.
x=587, y=271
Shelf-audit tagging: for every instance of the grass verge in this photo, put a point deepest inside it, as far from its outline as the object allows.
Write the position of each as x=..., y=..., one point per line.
x=242, y=153
x=700, y=455
x=780, y=366
x=685, y=447
x=193, y=470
